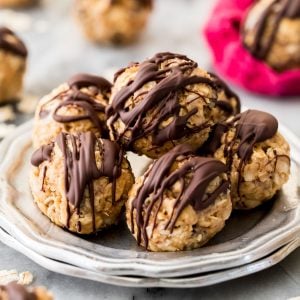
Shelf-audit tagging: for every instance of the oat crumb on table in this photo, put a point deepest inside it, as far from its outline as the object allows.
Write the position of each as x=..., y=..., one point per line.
x=7, y=276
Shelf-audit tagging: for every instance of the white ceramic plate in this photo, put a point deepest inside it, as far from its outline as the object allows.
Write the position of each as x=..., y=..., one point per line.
x=246, y=238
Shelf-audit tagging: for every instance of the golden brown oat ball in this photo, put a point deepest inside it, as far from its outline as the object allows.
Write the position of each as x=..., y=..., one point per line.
x=161, y=102
x=13, y=55
x=271, y=33
x=15, y=291
x=180, y=203
x=258, y=157
x=17, y=3
x=76, y=106
x=80, y=181
x=113, y=21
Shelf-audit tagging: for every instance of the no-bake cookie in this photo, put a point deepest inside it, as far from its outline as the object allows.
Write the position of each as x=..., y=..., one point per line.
x=13, y=55
x=76, y=106
x=257, y=156
x=161, y=102
x=112, y=21
x=14, y=291
x=80, y=182
x=180, y=203
x=271, y=33
x=17, y=3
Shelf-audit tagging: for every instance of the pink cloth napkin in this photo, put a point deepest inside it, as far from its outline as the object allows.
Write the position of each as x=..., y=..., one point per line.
x=235, y=63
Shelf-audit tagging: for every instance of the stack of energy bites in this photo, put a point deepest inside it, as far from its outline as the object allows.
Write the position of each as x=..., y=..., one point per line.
x=13, y=57
x=208, y=157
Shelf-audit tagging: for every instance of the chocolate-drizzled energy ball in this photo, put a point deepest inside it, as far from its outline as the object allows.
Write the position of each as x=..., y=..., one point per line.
x=17, y=3
x=80, y=182
x=272, y=33
x=180, y=203
x=161, y=102
x=76, y=106
x=15, y=291
x=257, y=156
x=13, y=54
x=228, y=103
x=113, y=21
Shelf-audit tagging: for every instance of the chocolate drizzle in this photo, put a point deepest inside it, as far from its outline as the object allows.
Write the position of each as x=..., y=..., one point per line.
x=146, y=3
x=86, y=80
x=251, y=127
x=39, y=156
x=42, y=154
x=275, y=12
x=213, y=142
x=225, y=104
x=161, y=177
x=293, y=9
x=80, y=166
x=17, y=292
x=16, y=47
x=75, y=97
x=162, y=99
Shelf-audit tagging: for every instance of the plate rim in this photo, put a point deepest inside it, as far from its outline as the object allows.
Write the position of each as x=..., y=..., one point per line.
x=125, y=281
x=136, y=265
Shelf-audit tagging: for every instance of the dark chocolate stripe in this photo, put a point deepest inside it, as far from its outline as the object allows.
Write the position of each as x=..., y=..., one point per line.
x=82, y=80
x=251, y=127
x=42, y=154
x=223, y=103
x=161, y=177
x=74, y=97
x=163, y=98
x=80, y=166
x=147, y=3
x=285, y=9
x=18, y=47
x=293, y=9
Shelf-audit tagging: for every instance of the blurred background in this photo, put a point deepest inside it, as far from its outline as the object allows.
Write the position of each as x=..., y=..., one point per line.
x=57, y=48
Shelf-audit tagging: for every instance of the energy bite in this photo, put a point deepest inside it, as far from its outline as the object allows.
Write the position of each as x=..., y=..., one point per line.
x=17, y=3
x=161, y=102
x=14, y=291
x=13, y=56
x=80, y=181
x=271, y=33
x=257, y=156
x=180, y=203
x=76, y=106
x=113, y=21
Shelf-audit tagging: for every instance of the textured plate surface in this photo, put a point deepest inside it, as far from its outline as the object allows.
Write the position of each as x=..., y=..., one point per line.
x=186, y=282
x=246, y=238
